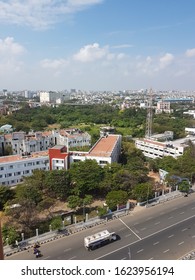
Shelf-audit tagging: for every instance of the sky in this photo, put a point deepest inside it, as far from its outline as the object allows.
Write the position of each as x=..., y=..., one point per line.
x=97, y=44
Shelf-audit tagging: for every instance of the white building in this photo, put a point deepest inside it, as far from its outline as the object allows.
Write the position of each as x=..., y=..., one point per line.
x=13, y=168
x=163, y=106
x=106, y=151
x=154, y=149
x=22, y=143
x=190, y=113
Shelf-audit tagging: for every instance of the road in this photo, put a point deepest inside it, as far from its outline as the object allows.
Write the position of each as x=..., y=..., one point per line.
x=165, y=231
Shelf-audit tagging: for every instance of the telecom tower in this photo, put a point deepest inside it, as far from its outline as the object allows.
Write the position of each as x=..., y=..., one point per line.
x=148, y=132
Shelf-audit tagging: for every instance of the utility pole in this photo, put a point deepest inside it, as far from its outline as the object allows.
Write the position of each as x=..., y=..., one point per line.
x=1, y=244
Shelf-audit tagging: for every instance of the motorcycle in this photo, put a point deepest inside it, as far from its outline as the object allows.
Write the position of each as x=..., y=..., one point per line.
x=37, y=253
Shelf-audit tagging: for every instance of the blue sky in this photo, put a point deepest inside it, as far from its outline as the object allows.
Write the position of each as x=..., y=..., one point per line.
x=97, y=44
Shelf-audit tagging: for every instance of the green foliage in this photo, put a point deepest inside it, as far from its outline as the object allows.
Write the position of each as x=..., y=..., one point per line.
x=28, y=192
x=115, y=198
x=143, y=192
x=74, y=201
x=102, y=211
x=184, y=186
x=6, y=194
x=86, y=176
x=56, y=223
x=57, y=184
x=10, y=235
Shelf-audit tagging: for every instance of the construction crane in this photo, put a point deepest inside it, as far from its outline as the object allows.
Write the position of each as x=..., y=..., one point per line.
x=148, y=132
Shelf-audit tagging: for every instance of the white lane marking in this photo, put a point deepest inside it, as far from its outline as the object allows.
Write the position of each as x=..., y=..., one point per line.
x=66, y=250
x=73, y=258
x=124, y=258
x=143, y=228
x=140, y=251
x=149, y=218
x=46, y=258
x=181, y=213
x=157, y=223
x=128, y=235
x=170, y=235
x=170, y=217
x=184, y=229
x=181, y=243
x=121, y=229
x=130, y=229
x=156, y=243
x=166, y=251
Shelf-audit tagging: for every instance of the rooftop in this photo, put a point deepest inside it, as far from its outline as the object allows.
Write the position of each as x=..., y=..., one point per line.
x=104, y=147
x=14, y=158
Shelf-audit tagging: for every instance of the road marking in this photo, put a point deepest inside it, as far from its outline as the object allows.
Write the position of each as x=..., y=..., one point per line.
x=170, y=217
x=181, y=213
x=66, y=250
x=181, y=243
x=184, y=229
x=140, y=251
x=156, y=243
x=121, y=229
x=170, y=235
x=73, y=258
x=124, y=258
x=130, y=229
x=143, y=228
x=149, y=218
x=193, y=208
x=149, y=235
x=166, y=251
x=193, y=236
x=151, y=258
x=46, y=258
x=128, y=235
x=157, y=223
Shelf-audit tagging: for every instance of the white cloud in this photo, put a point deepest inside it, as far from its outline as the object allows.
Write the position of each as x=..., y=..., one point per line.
x=190, y=52
x=90, y=53
x=124, y=46
x=53, y=64
x=40, y=14
x=166, y=60
x=9, y=47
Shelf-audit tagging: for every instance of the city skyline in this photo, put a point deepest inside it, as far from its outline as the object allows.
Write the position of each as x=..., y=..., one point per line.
x=97, y=44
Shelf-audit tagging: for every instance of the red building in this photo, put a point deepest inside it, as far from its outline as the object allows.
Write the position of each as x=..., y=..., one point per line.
x=58, y=158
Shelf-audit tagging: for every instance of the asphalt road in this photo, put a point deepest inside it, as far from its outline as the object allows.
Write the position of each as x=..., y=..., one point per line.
x=165, y=231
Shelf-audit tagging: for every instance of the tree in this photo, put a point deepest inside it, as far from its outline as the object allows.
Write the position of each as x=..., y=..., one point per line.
x=184, y=186
x=143, y=192
x=115, y=198
x=10, y=234
x=56, y=223
x=5, y=195
x=26, y=192
x=57, y=184
x=74, y=201
x=86, y=176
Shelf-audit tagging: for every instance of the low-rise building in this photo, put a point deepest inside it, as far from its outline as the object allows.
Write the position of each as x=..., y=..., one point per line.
x=14, y=168
x=22, y=143
x=155, y=149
